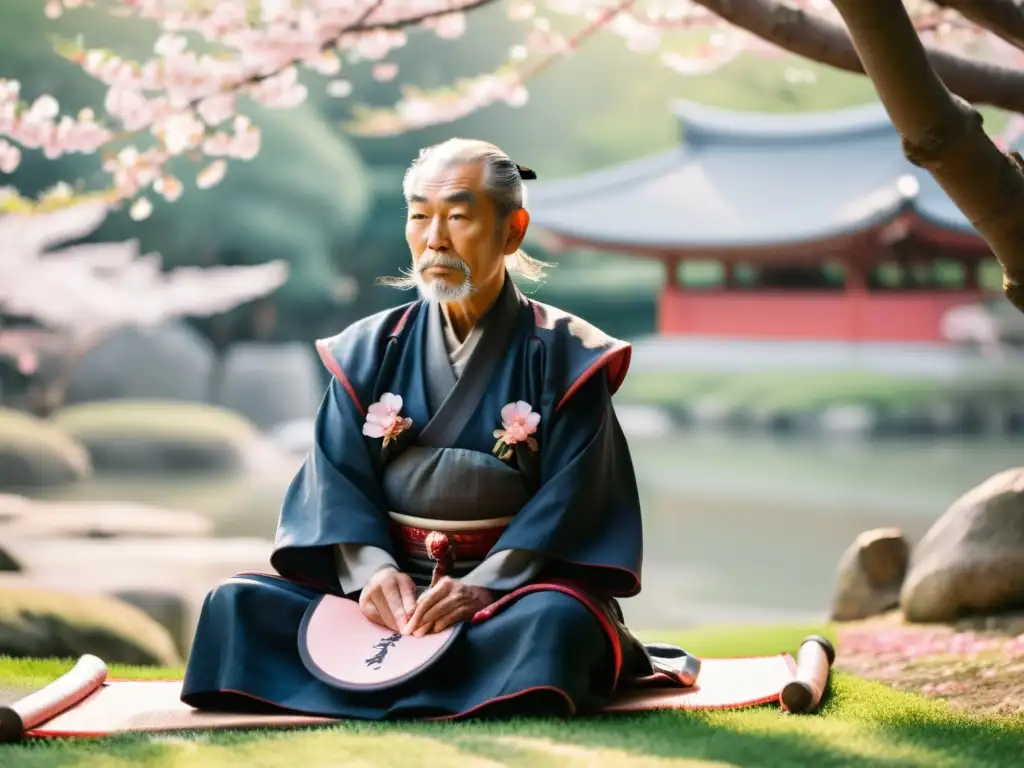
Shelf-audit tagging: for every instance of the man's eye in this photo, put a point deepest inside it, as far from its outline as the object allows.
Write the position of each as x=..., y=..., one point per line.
x=417, y=216
x=457, y=216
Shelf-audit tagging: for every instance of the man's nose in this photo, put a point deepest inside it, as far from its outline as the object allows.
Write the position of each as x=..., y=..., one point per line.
x=437, y=236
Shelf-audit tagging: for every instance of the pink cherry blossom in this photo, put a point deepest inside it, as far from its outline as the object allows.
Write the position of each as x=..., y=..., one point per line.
x=383, y=418
x=519, y=422
x=179, y=96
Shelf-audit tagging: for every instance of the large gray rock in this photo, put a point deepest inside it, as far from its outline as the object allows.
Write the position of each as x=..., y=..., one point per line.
x=36, y=453
x=870, y=574
x=147, y=436
x=972, y=559
x=8, y=563
x=270, y=383
x=189, y=567
x=171, y=362
x=168, y=609
x=36, y=621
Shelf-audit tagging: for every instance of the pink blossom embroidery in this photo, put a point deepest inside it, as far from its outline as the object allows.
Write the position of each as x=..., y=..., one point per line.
x=382, y=419
x=518, y=421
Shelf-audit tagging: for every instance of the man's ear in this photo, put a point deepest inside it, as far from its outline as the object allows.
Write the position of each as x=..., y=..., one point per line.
x=519, y=222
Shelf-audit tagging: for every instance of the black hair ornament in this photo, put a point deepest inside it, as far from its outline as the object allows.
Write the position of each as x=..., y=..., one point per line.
x=526, y=174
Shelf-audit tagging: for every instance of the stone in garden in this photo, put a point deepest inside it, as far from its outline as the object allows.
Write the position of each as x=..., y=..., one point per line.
x=36, y=453
x=43, y=622
x=161, y=436
x=8, y=563
x=972, y=560
x=168, y=609
x=271, y=384
x=870, y=574
x=189, y=567
x=21, y=517
x=170, y=362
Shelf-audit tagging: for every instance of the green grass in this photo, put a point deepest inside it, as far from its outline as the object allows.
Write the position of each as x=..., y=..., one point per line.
x=861, y=723
x=800, y=391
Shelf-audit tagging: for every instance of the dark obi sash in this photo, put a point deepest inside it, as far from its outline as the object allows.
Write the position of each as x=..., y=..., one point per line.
x=469, y=496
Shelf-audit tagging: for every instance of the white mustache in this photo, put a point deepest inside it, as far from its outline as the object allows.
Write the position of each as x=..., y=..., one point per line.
x=440, y=260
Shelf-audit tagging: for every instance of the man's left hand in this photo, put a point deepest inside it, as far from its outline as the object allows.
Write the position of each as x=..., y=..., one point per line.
x=446, y=604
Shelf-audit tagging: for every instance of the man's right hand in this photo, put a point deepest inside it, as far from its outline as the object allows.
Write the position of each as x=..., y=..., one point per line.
x=389, y=598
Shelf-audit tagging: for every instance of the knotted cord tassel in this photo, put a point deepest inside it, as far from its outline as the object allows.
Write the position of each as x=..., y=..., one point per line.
x=442, y=552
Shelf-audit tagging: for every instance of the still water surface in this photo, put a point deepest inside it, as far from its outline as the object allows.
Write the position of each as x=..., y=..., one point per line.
x=737, y=529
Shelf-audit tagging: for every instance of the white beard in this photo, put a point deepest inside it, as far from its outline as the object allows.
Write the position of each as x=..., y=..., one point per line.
x=440, y=291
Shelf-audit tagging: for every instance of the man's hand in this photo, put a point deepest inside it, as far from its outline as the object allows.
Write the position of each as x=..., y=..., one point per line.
x=448, y=603
x=389, y=598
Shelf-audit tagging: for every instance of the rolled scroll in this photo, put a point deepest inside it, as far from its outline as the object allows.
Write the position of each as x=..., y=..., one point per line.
x=62, y=694
x=813, y=665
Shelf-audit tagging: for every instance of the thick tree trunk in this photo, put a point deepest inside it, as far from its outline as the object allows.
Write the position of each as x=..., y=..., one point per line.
x=1004, y=18
x=821, y=40
x=942, y=133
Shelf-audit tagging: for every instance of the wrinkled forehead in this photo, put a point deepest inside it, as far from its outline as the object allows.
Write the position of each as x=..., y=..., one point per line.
x=444, y=179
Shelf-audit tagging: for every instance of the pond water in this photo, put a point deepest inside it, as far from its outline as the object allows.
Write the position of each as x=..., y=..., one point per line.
x=737, y=529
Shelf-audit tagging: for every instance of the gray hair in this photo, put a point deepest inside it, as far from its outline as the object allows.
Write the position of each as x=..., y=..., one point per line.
x=502, y=183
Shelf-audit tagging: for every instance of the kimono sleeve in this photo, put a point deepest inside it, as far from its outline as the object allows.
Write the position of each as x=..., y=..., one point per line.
x=334, y=499
x=585, y=518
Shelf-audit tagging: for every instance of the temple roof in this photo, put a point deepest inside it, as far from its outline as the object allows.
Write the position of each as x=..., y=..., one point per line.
x=743, y=180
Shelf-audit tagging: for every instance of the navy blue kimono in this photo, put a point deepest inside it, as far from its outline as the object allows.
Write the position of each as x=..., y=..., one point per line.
x=558, y=646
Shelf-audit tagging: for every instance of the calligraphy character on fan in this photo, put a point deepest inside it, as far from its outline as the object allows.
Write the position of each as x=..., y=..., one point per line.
x=477, y=413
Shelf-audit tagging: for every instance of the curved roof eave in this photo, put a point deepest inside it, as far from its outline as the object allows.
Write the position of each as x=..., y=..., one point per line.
x=700, y=120
x=559, y=190
x=796, y=241
x=609, y=209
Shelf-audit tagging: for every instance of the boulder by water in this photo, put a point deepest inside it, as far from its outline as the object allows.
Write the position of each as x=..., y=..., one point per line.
x=167, y=608
x=36, y=453
x=270, y=384
x=43, y=622
x=8, y=563
x=171, y=362
x=156, y=571
x=148, y=436
x=870, y=574
x=972, y=559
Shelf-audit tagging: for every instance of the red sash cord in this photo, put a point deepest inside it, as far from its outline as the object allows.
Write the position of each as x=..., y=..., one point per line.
x=468, y=545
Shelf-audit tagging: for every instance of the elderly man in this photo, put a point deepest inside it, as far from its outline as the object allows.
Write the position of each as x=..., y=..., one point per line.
x=474, y=411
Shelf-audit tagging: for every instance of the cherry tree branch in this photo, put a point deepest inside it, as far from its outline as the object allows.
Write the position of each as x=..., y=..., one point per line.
x=824, y=41
x=1004, y=18
x=942, y=133
x=408, y=21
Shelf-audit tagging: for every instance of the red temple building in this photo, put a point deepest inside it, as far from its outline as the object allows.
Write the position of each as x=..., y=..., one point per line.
x=806, y=226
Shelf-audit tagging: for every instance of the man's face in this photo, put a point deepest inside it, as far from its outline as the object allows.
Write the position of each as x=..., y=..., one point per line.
x=457, y=242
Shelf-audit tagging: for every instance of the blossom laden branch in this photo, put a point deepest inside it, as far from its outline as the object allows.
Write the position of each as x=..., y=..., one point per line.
x=1004, y=18
x=189, y=102
x=817, y=38
x=181, y=97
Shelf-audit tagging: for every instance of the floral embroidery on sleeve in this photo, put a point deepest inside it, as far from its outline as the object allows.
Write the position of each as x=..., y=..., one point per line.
x=383, y=419
x=518, y=424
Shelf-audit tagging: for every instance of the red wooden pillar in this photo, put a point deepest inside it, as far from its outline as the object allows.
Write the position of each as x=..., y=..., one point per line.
x=971, y=268
x=856, y=294
x=667, y=323
x=730, y=275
